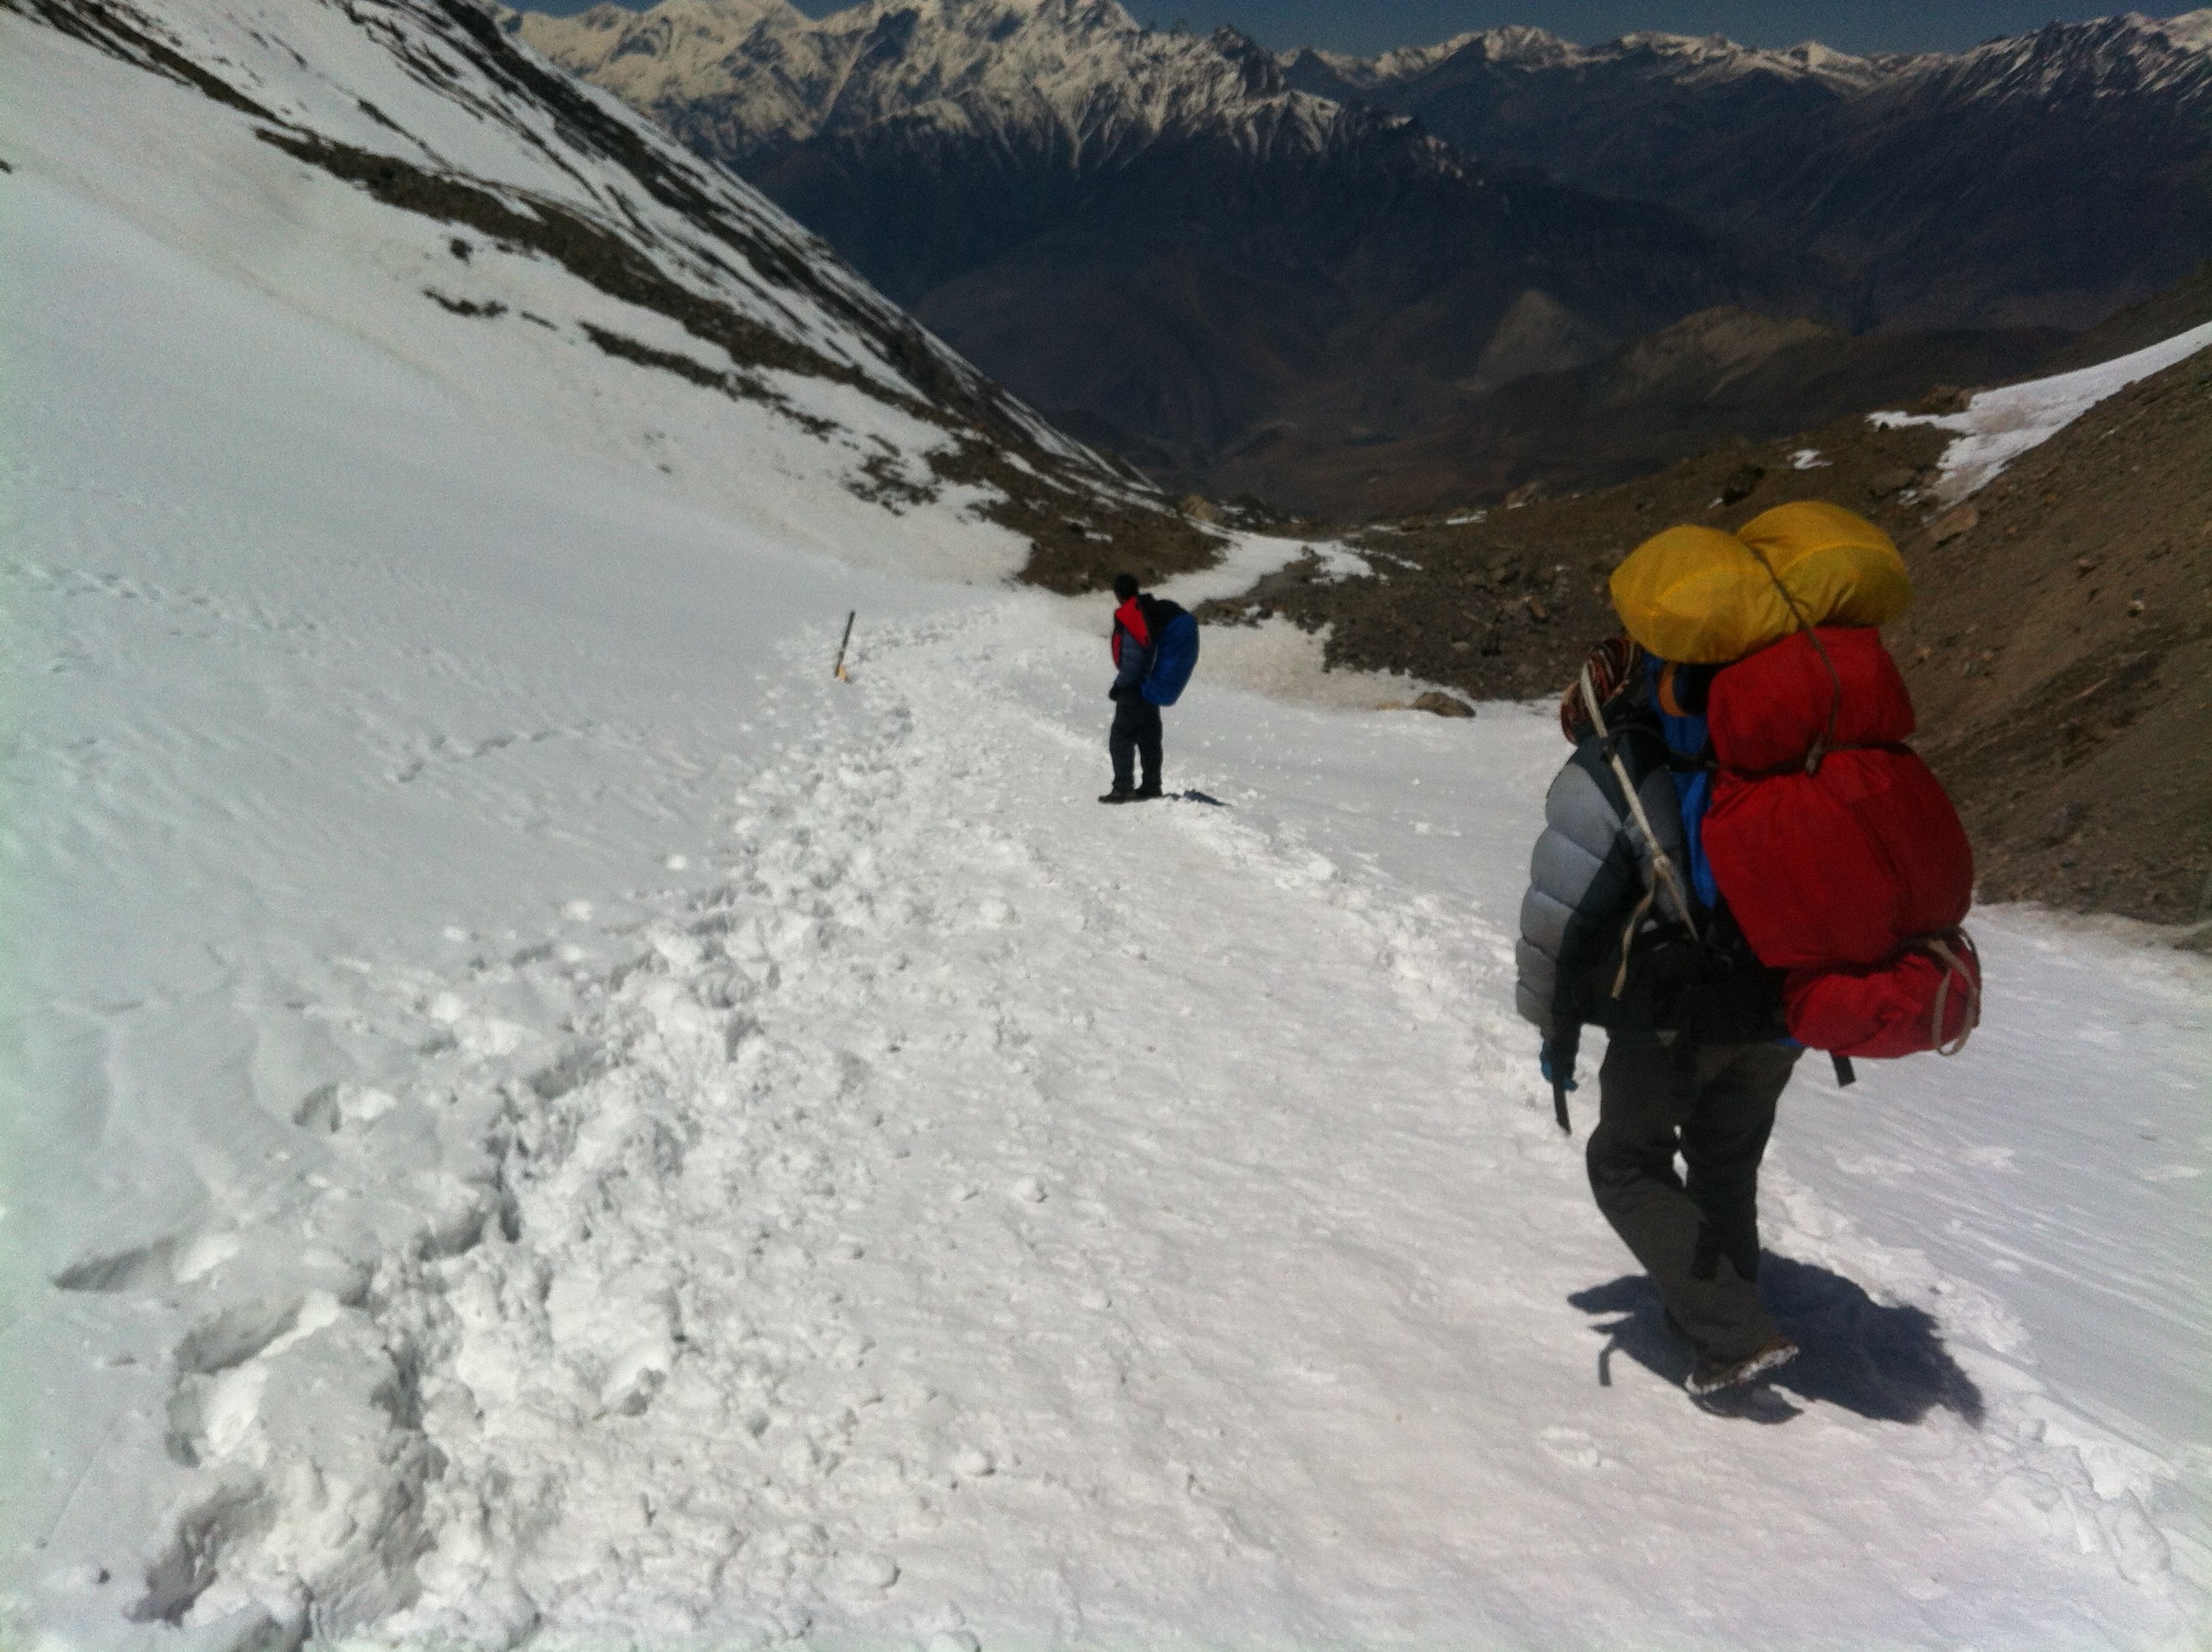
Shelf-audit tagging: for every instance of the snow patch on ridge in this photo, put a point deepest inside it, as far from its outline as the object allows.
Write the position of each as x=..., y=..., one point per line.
x=1998, y=426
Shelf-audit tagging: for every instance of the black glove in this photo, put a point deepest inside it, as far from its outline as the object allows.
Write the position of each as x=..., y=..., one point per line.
x=1113, y=693
x=1556, y=1060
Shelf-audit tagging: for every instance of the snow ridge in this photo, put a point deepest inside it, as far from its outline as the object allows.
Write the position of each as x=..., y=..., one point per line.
x=2129, y=53
x=1692, y=59
x=1077, y=77
x=1998, y=425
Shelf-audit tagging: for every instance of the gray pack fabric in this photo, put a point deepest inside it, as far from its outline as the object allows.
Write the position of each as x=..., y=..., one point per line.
x=1592, y=868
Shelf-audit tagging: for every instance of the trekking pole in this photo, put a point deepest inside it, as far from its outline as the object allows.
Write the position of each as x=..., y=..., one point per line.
x=838, y=669
x=1661, y=863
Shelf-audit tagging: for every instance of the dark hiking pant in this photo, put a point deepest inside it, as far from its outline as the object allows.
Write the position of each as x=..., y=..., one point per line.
x=1136, y=733
x=1696, y=1234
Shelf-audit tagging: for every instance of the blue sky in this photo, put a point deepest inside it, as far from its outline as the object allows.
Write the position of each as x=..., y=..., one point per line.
x=1377, y=25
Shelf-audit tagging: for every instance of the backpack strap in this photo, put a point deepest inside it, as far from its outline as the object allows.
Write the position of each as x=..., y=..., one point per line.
x=1946, y=947
x=1822, y=747
x=1662, y=862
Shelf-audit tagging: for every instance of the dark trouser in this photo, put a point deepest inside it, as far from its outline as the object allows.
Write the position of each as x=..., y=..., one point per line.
x=1697, y=1237
x=1136, y=733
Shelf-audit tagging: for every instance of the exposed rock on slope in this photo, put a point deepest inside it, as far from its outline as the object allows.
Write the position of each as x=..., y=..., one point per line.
x=2059, y=650
x=2061, y=655
x=1718, y=375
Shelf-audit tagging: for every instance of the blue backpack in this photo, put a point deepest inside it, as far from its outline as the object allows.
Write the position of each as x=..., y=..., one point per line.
x=1175, y=650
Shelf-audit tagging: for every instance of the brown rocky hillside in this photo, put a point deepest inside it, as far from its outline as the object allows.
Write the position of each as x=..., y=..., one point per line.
x=2060, y=650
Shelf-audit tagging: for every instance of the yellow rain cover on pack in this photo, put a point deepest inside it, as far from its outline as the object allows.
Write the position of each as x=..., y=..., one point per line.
x=1705, y=598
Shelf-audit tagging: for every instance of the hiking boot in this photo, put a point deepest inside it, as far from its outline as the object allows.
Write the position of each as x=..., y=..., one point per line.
x=1146, y=793
x=1710, y=1375
x=1120, y=794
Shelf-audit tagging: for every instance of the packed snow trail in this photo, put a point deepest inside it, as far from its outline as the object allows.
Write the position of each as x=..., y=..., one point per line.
x=969, y=1210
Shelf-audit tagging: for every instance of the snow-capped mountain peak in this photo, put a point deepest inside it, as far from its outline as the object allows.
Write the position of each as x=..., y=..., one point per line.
x=1082, y=76
x=2129, y=51
x=1700, y=58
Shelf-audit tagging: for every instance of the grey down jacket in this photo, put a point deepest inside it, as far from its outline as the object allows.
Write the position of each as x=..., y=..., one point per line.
x=1591, y=869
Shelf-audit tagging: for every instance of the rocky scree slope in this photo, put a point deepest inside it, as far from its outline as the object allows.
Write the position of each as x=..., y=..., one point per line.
x=2059, y=649
x=1719, y=374
x=2044, y=179
x=1154, y=237
x=430, y=109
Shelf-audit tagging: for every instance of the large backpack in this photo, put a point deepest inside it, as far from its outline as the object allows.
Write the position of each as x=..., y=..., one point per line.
x=1175, y=650
x=1839, y=855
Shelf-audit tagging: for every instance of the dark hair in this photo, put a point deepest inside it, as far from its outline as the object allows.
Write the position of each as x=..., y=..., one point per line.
x=1125, y=585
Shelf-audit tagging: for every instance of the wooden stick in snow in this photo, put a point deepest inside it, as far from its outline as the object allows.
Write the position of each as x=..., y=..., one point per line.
x=838, y=669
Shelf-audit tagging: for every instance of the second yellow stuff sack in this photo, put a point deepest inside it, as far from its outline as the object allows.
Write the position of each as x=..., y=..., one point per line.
x=1705, y=598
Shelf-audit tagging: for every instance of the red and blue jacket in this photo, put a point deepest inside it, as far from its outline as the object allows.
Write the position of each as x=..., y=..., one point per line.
x=1133, y=645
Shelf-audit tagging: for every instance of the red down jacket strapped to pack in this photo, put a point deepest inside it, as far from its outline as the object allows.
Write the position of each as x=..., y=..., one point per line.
x=1840, y=856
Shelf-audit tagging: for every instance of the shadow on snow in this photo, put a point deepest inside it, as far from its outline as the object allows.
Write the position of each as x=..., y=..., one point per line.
x=1886, y=1364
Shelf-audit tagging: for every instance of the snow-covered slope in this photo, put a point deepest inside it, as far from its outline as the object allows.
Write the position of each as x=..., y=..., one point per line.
x=1998, y=425
x=534, y=1115
x=494, y=201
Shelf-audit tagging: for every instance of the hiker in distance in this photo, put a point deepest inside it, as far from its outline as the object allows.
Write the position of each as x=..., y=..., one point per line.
x=1742, y=860
x=1155, y=647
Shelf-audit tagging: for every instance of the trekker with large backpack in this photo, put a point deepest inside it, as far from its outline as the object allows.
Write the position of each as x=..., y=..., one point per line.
x=1613, y=933
x=1155, y=647
x=1743, y=859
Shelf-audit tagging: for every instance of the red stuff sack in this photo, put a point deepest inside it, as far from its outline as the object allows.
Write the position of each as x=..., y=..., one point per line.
x=1840, y=856
x=1841, y=860
x=1928, y=997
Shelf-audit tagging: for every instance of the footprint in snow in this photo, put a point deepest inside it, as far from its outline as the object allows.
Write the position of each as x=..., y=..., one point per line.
x=1573, y=1447
x=868, y=1572
x=1874, y=1165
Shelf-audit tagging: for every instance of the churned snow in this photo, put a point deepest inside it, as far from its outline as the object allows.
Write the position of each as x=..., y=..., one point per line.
x=1998, y=426
x=534, y=1112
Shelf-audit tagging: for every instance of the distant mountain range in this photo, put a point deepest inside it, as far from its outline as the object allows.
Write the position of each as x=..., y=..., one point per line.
x=2045, y=180
x=1314, y=277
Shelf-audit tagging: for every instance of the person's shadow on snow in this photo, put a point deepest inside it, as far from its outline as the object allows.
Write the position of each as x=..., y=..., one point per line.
x=1886, y=1364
